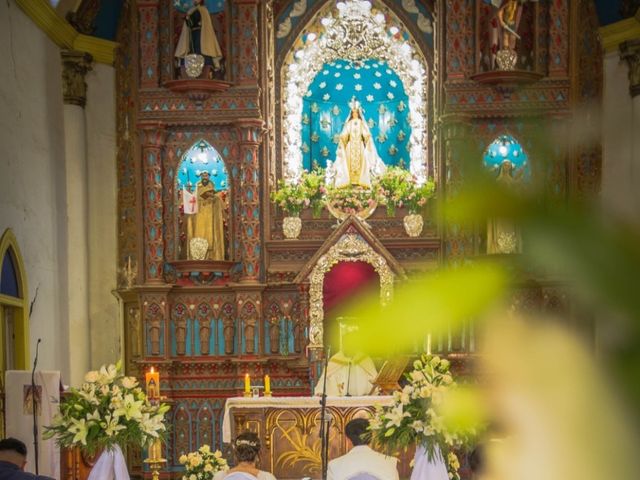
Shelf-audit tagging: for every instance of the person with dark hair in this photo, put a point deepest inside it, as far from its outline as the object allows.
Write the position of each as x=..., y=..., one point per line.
x=13, y=458
x=361, y=462
x=246, y=449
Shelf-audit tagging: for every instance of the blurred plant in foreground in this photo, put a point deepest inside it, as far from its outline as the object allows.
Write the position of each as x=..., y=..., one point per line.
x=559, y=407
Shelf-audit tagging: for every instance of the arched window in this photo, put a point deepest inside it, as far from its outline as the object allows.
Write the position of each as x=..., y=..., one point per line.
x=14, y=313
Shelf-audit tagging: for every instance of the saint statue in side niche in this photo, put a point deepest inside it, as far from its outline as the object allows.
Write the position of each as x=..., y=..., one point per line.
x=199, y=37
x=503, y=235
x=205, y=223
x=357, y=159
x=509, y=17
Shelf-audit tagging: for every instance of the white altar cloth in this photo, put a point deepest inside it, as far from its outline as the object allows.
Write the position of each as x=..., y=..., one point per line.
x=295, y=402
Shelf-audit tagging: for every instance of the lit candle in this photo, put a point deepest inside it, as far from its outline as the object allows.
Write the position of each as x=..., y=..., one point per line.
x=152, y=379
x=429, y=344
x=267, y=385
x=247, y=383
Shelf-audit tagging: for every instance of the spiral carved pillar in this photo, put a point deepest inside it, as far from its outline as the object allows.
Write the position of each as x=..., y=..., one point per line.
x=152, y=140
x=459, y=241
x=250, y=134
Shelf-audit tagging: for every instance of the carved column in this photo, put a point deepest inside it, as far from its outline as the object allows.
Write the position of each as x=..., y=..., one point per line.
x=630, y=52
x=75, y=66
x=148, y=20
x=458, y=239
x=250, y=133
x=245, y=44
x=152, y=138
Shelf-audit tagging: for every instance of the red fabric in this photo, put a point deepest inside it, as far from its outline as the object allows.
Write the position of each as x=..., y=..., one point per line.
x=344, y=280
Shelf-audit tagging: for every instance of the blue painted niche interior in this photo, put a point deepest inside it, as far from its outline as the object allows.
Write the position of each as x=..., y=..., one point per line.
x=326, y=108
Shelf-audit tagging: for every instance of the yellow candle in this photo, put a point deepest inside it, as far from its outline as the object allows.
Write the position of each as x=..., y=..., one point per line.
x=247, y=383
x=267, y=385
x=152, y=380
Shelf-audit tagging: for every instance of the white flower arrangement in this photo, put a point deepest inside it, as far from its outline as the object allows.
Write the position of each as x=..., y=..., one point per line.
x=414, y=417
x=203, y=464
x=109, y=409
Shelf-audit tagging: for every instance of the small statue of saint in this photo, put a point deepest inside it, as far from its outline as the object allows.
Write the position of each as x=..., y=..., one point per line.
x=199, y=37
x=357, y=159
x=509, y=17
x=207, y=221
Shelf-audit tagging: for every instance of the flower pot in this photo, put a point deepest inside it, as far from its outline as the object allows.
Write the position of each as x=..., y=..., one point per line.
x=413, y=224
x=291, y=227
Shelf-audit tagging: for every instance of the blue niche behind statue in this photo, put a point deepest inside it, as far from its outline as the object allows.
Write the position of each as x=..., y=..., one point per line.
x=326, y=108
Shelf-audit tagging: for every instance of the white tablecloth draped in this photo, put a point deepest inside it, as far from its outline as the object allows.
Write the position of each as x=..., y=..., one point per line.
x=425, y=469
x=294, y=402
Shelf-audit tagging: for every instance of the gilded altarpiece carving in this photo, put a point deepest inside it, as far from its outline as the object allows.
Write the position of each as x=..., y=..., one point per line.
x=204, y=326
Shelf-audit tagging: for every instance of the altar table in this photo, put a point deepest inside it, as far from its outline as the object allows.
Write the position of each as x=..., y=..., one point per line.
x=290, y=430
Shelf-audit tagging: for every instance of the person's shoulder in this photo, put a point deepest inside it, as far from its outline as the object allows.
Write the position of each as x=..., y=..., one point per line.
x=265, y=476
x=220, y=475
x=383, y=456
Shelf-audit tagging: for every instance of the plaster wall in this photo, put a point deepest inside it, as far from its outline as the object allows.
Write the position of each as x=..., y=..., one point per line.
x=32, y=177
x=620, y=163
x=105, y=327
x=58, y=194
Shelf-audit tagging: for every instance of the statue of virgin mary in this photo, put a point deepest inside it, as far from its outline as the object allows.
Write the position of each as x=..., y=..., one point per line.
x=357, y=159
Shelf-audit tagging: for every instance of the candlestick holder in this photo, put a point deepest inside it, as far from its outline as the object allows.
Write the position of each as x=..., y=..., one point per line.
x=155, y=465
x=155, y=460
x=267, y=394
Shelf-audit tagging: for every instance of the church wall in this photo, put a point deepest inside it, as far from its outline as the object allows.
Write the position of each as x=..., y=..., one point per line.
x=105, y=329
x=32, y=180
x=620, y=172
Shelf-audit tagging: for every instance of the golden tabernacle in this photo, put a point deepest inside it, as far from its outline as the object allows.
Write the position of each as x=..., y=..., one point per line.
x=290, y=429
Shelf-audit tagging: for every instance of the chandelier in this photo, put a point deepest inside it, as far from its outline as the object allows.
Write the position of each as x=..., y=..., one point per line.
x=354, y=34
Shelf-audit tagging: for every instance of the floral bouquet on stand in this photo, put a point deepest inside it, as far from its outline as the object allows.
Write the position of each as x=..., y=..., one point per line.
x=399, y=189
x=351, y=200
x=314, y=189
x=415, y=418
x=202, y=464
x=291, y=197
x=107, y=412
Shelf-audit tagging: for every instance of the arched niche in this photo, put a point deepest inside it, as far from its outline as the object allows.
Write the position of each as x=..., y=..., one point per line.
x=508, y=163
x=506, y=148
x=384, y=102
x=326, y=38
x=351, y=247
x=14, y=308
x=201, y=160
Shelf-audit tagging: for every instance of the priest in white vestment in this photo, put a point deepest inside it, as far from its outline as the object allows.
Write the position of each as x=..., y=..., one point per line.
x=361, y=461
x=348, y=376
x=357, y=159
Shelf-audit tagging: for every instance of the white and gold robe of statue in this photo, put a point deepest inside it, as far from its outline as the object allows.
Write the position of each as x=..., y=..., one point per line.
x=356, y=156
x=208, y=222
x=355, y=373
x=209, y=45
